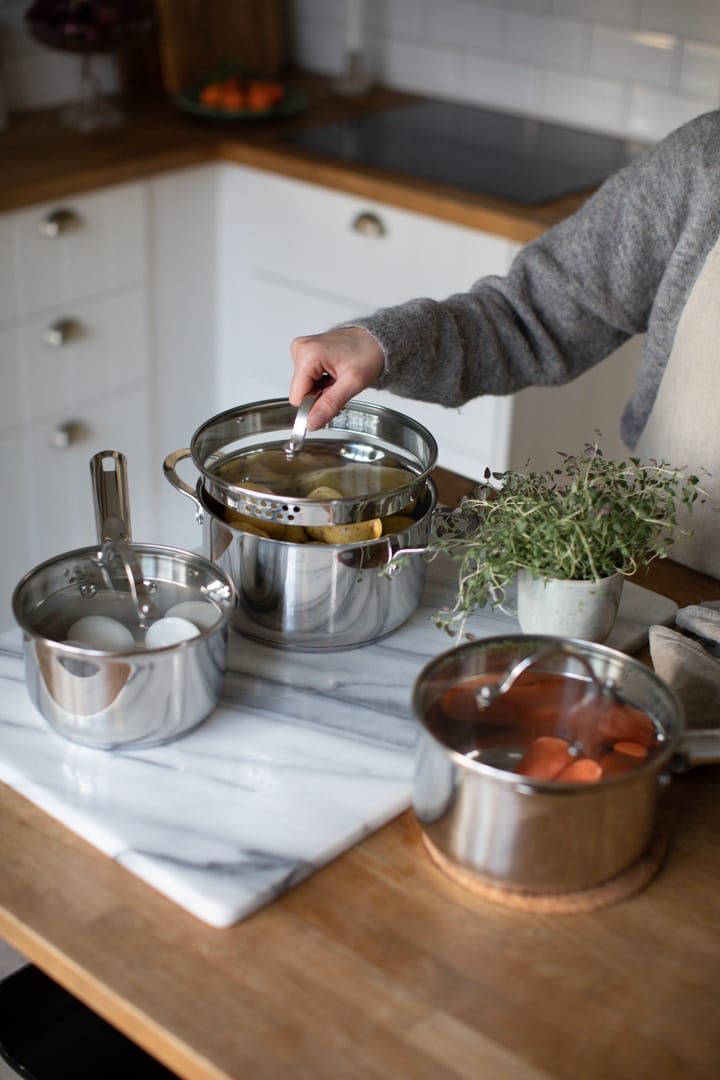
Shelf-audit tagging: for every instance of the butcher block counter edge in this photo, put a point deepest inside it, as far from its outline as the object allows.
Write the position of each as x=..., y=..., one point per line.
x=42, y=161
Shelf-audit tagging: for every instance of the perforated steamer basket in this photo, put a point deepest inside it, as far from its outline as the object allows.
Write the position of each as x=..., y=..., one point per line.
x=362, y=432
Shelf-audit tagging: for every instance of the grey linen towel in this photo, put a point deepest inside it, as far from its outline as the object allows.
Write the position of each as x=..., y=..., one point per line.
x=691, y=667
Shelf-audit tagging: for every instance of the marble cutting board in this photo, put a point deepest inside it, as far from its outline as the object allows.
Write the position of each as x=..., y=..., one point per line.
x=306, y=754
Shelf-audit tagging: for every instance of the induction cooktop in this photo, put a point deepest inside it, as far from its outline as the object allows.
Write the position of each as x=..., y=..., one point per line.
x=493, y=153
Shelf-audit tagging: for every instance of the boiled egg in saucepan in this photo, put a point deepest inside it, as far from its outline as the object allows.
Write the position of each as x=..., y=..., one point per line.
x=100, y=632
x=170, y=630
x=200, y=612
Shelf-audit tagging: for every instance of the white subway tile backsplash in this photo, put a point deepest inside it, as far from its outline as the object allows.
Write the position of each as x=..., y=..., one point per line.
x=464, y=22
x=322, y=11
x=530, y=5
x=605, y=12
x=501, y=83
x=653, y=114
x=650, y=57
x=52, y=78
x=420, y=68
x=548, y=41
x=395, y=18
x=60, y=80
x=322, y=47
x=698, y=19
x=583, y=101
x=15, y=42
x=700, y=70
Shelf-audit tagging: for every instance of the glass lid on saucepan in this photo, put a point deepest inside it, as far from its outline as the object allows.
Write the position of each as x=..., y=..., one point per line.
x=258, y=459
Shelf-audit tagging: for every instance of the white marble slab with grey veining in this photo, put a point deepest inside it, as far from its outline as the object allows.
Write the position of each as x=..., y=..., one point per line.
x=305, y=755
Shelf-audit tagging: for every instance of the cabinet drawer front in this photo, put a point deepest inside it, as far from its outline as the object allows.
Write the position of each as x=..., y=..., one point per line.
x=11, y=384
x=62, y=511
x=369, y=253
x=17, y=553
x=8, y=287
x=100, y=247
x=105, y=350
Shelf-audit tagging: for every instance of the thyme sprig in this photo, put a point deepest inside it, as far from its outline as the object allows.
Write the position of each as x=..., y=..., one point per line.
x=587, y=519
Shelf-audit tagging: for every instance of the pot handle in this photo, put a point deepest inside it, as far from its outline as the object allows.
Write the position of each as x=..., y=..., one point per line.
x=111, y=497
x=699, y=746
x=171, y=475
x=112, y=518
x=397, y=559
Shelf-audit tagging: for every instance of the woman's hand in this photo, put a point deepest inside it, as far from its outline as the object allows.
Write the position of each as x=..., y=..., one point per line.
x=351, y=357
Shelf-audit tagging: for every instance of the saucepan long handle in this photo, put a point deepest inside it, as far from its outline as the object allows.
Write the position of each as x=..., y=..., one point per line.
x=108, y=470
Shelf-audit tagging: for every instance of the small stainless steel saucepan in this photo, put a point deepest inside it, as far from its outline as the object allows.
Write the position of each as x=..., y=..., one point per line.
x=514, y=831
x=124, y=692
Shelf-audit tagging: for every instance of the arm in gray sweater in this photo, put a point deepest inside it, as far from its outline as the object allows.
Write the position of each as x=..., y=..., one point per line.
x=623, y=264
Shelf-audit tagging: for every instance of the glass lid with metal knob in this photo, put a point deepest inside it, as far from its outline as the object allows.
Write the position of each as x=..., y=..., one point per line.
x=258, y=459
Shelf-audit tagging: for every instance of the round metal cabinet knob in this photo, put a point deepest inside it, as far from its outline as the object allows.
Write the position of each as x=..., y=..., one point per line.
x=58, y=221
x=60, y=332
x=68, y=434
x=368, y=224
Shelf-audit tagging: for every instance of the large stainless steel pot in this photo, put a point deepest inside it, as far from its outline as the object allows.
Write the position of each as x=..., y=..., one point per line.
x=133, y=696
x=515, y=832
x=313, y=597
x=304, y=596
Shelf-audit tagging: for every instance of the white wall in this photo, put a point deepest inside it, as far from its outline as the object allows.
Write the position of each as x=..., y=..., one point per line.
x=626, y=67
x=32, y=76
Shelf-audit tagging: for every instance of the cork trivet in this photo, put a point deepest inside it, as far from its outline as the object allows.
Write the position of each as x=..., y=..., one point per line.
x=623, y=885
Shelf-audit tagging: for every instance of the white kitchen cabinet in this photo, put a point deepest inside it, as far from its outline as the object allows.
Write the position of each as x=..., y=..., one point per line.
x=296, y=258
x=75, y=370
x=184, y=236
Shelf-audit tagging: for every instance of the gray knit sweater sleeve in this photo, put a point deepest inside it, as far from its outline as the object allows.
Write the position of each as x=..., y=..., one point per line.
x=623, y=264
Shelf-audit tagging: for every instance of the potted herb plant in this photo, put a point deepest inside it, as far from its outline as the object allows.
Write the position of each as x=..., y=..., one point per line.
x=569, y=536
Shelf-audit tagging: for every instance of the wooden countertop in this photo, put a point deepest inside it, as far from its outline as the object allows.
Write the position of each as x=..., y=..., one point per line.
x=378, y=965
x=41, y=161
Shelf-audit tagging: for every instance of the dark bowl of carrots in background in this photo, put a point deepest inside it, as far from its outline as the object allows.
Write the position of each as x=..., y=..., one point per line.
x=551, y=786
x=230, y=93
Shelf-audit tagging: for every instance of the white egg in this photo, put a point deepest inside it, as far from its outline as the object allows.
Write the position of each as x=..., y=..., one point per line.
x=170, y=631
x=101, y=632
x=201, y=612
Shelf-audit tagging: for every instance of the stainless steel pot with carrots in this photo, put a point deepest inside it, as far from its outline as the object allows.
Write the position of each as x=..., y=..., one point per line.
x=540, y=760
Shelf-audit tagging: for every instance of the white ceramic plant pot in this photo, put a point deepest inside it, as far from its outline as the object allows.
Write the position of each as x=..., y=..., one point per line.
x=578, y=609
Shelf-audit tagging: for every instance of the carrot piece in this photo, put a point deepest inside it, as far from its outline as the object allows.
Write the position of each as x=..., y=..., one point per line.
x=624, y=723
x=624, y=757
x=211, y=94
x=260, y=97
x=582, y=771
x=546, y=758
x=233, y=100
x=631, y=749
x=459, y=703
